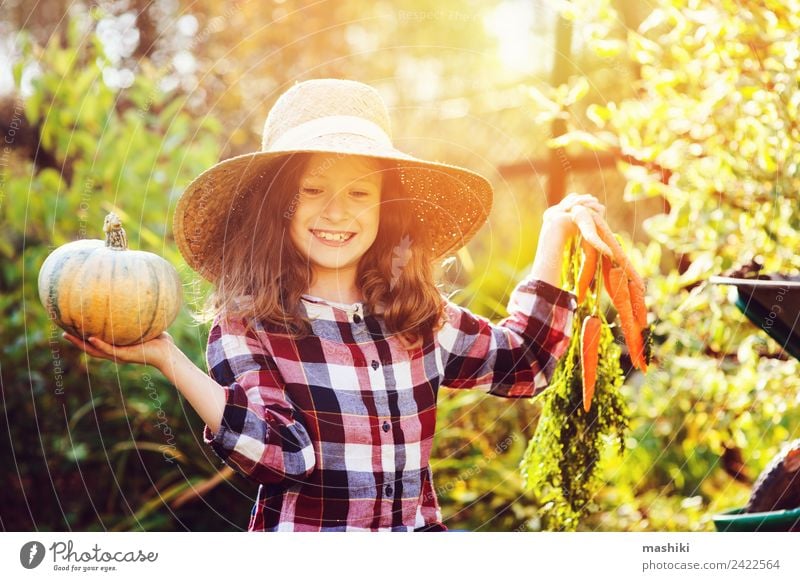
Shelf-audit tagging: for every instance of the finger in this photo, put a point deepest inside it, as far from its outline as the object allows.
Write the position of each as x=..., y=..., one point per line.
x=595, y=206
x=583, y=219
x=578, y=199
x=574, y=196
x=166, y=337
x=111, y=351
x=101, y=345
x=589, y=201
x=77, y=341
x=121, y=353
x=84, y=346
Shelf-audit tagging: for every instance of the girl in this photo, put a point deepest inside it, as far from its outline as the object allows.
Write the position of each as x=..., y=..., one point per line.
x=329, y=337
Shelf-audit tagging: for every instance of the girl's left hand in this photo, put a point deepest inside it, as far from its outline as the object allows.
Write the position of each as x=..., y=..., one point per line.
x=577, y=213
x=153, y=352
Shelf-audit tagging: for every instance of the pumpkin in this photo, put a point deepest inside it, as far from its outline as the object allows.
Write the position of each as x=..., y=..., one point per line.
x=103, y=289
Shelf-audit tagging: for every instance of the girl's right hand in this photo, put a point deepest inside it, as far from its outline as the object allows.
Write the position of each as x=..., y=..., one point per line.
x=154, y=352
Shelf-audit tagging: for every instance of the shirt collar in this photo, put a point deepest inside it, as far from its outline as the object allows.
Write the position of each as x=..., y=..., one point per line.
x=349, y=307
x=319, y=308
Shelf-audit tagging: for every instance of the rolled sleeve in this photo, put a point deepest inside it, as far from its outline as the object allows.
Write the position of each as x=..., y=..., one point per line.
x=515, y=357
x=261, y=434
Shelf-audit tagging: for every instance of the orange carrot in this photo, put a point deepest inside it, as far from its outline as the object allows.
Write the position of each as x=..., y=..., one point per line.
x=620, y=257
x=636, y=286
x=638, y=304
x=585, y=222
x=606, y=265
x=620, y=296
x=590, y=343
x=588, y=269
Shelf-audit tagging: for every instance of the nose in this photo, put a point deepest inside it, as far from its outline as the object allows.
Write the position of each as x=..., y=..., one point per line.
x=336, y=208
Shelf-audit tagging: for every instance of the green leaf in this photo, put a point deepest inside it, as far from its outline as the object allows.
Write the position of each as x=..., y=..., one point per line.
x=32, y=107
x=607, y=48
x=577, y=91
x=598, y=114
x=167, y=115
x=17, y=70
x=543, y=102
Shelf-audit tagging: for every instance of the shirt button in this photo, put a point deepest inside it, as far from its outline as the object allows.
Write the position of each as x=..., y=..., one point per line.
x=356, y=318
x=388, y=490
x=386, y=426
x=375, y=364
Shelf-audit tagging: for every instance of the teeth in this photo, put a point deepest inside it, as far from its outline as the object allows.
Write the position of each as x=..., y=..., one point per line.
x=329, y=236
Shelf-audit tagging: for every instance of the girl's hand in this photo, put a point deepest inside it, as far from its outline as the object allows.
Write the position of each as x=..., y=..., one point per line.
x=577, y=213
x=154, y=352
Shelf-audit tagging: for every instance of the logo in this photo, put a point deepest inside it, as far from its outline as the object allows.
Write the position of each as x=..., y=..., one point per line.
x=401, y=254
x=31, y=554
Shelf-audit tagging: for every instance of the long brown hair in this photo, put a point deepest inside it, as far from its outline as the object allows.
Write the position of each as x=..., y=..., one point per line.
x=259, y=261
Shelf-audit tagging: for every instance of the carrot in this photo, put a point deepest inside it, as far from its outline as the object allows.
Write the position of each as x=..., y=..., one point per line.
x=606, y=266
x=586, y=223
x=590, y=343
x=620, y=257
x=638, y=304
x=588, y=269
x=620, y=296
x=636, y=286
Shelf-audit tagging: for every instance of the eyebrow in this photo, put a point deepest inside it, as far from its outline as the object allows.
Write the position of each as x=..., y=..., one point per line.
x=364, y=183
x=360, y=182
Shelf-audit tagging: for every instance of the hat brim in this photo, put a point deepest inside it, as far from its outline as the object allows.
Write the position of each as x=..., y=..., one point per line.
x=454, y=202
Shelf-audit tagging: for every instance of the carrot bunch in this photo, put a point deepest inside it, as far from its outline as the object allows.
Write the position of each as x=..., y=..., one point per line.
x=563, y=458
x=626, y=289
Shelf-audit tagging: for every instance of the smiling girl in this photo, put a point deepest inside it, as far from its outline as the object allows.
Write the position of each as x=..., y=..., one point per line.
x=330, y=338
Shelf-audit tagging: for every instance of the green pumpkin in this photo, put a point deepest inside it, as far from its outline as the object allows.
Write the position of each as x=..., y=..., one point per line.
x=102, y=289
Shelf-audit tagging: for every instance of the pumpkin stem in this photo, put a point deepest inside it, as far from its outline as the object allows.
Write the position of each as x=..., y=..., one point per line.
x=115, y=233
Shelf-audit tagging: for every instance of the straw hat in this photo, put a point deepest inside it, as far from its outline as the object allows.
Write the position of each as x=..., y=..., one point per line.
x=334, y=116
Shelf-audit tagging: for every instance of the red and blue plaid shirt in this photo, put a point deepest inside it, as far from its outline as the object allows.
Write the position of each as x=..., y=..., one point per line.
x=337, y=427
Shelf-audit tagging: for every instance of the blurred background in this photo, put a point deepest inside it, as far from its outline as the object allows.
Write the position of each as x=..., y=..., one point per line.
x=681, y=116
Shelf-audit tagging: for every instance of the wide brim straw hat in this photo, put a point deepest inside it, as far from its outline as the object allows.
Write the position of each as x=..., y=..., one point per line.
x=330, y=116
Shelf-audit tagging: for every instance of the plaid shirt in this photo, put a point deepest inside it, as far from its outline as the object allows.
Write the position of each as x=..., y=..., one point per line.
x=337, y=427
